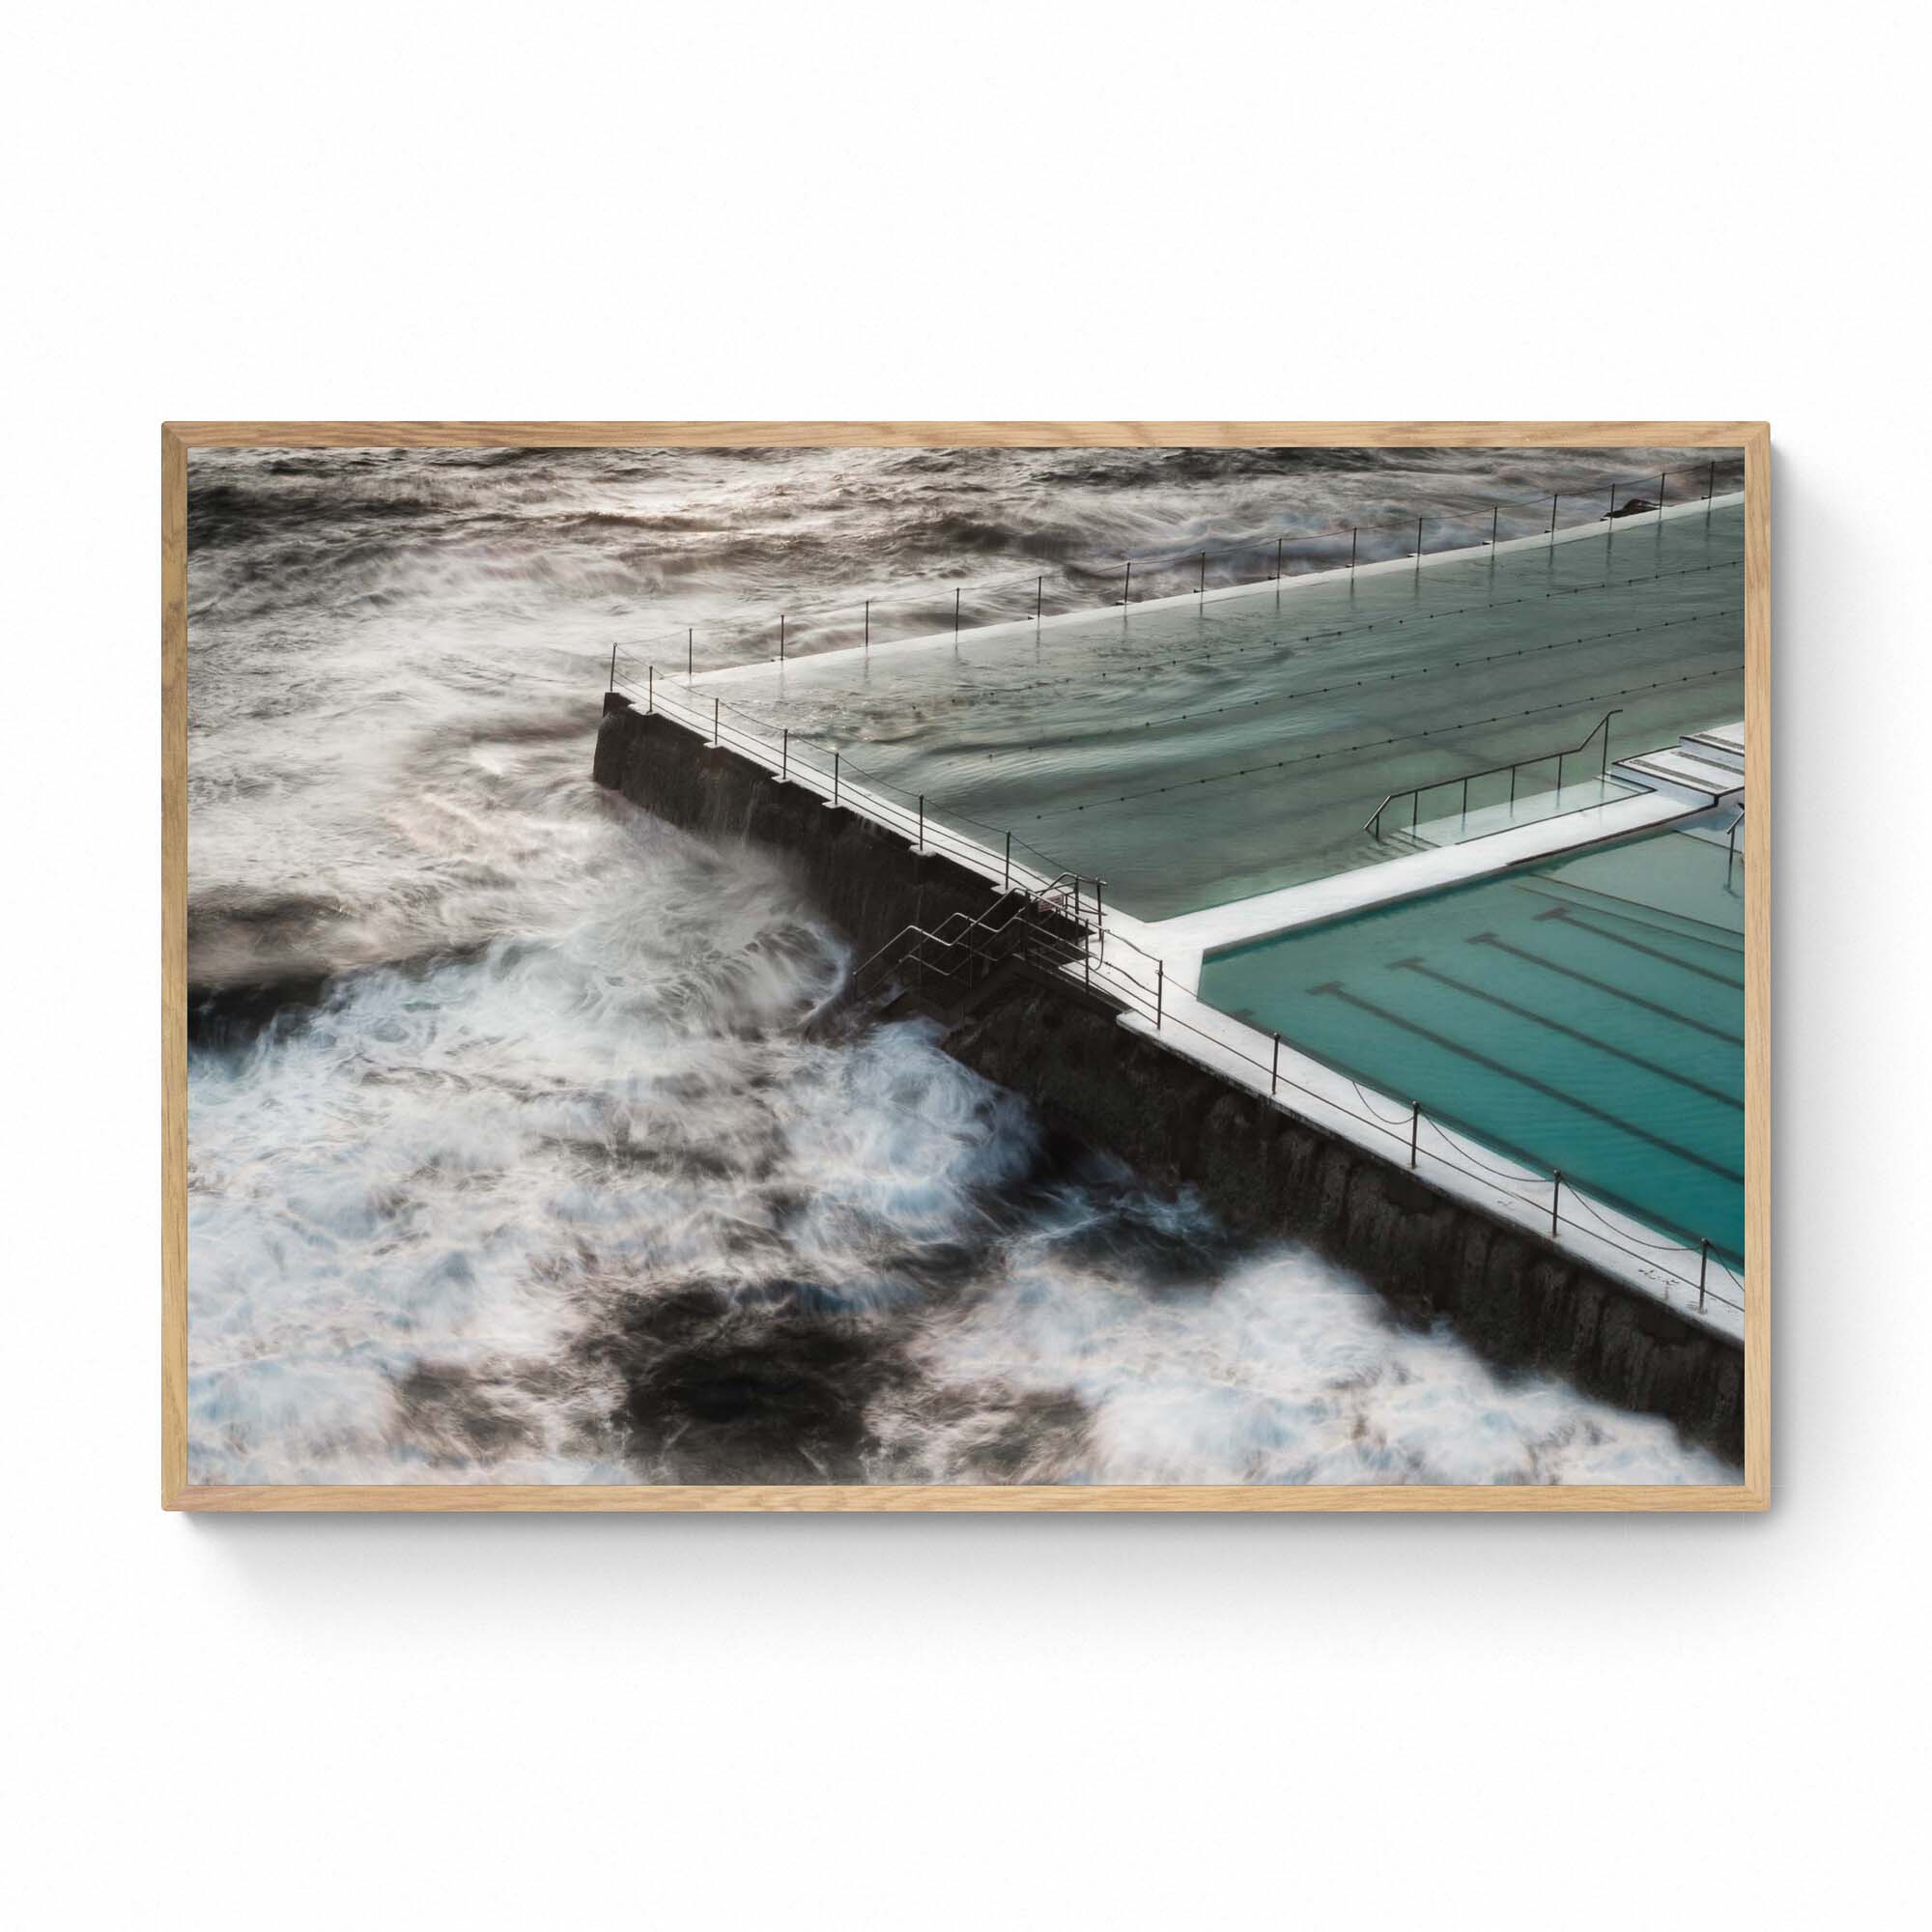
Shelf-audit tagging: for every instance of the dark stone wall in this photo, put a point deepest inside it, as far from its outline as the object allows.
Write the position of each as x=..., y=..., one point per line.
x=1520, y=1300
x=870, y=881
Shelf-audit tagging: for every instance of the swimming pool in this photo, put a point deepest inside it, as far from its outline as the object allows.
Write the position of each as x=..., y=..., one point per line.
x=1584, y=1015
x=1191, y=755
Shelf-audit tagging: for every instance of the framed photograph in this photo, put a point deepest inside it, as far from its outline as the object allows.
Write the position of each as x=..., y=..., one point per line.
x=966, y=966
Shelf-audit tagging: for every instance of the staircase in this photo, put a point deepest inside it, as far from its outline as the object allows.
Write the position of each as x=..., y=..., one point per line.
x=1704, y=767
x=949, y=969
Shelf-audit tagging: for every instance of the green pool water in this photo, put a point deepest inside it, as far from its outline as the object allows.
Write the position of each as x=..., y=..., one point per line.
x=1193, y=755
x=1586, y=1015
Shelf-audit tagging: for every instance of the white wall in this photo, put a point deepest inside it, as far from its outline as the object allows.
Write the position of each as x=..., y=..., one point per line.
x=1509, y=211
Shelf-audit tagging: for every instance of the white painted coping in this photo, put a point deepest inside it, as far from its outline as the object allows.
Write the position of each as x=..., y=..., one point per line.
x=1183, y=942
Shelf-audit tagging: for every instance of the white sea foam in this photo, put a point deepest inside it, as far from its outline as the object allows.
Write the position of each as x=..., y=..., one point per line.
x=1284, y=1369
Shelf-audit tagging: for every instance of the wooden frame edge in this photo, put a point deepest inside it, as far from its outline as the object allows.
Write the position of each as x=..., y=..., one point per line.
x=174, y=969
x=879, y=1499
x=1757, y=962
x=479, y=435
x=1750, y=1497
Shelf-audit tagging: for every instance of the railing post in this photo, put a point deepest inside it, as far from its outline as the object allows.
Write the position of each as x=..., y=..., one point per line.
x=1010, y=861
x=1354, y=537
x=690, y=652
x=1159, y=992
x=1419, y=546
x=1414, y=1128
x=868, y=623
x=1552, y=519
x=1703, y=1269
x=1275, y=1067
x=1659, y=495
x=1556, y=1195
x=650, y=687
x=955, y=613
x=1100, y=905
x=835, y=778
x=921, y=821
x=782, y=637
x=1128, y=584
x=784, y=755
x=1711, y=487
x=717, y=734
x=1277, y=559
x=1496, y=515
x=1039, y=599
x=612, y=685
x=1201, y=589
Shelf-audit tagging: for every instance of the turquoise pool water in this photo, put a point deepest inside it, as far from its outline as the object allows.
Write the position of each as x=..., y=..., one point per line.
x=1586, y=1015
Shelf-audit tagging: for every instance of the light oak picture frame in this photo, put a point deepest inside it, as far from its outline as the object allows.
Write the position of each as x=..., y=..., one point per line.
x=1751, y=1494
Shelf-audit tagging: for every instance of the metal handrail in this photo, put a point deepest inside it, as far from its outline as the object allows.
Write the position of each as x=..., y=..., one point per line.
x=908, y=946
x=1021, y=935
x=956, y=930
x=1373, y=824
x=667, y=699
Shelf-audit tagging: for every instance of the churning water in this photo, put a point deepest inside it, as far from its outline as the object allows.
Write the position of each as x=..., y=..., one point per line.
x=520, y=1144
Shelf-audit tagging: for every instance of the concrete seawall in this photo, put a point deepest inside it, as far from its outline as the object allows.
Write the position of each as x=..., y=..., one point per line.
x=1521, y=1301
x=869, y=880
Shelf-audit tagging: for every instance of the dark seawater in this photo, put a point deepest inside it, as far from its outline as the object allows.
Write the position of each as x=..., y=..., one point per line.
x=519, y=1146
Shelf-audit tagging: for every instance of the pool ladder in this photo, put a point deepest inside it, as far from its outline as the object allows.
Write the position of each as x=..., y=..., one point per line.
x=1373, y=824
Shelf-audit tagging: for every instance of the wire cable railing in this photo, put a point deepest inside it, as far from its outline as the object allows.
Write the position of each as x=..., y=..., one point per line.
x=1415, y=793
x=796, y=759
x=1066, y=587
x=983, y=689
x=964, y=952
